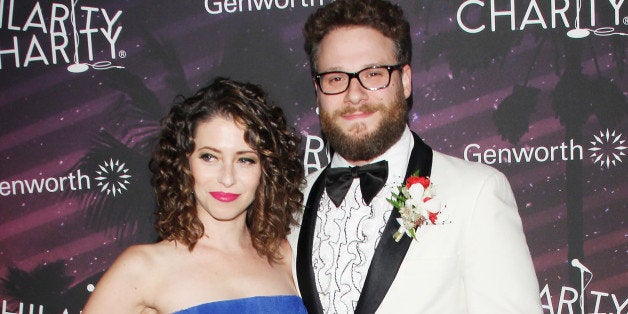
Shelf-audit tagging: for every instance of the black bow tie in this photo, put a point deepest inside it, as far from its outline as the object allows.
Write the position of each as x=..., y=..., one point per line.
x=372, y=179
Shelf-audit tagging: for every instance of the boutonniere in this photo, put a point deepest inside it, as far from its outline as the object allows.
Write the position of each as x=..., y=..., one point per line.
x=416, y=203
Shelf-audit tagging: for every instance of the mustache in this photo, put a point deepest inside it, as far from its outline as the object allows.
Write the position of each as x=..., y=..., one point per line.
x=365, y=108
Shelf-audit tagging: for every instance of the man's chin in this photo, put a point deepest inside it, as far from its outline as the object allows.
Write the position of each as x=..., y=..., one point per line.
x=358, y=135
x=359, y=130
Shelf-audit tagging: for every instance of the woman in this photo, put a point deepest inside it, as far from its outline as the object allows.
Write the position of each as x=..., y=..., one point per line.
x=227, y=175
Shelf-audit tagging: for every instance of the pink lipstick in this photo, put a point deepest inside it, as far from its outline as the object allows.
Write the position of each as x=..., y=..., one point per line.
x=224, y=196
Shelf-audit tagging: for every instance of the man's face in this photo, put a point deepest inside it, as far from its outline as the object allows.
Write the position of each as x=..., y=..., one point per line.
x=361, y=124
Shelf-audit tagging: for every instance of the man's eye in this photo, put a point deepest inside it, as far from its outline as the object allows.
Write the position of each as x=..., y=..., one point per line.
x=334, y=78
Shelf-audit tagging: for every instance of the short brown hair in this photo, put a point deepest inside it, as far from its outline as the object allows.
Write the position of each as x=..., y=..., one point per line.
x=383, y=16
x=278, y=195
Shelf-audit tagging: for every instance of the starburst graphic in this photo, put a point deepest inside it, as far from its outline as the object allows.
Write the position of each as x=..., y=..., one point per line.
x=607, y=148
x=113, y=177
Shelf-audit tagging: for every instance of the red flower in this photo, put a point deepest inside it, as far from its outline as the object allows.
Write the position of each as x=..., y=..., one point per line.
x=425, y=182
x=433, y=217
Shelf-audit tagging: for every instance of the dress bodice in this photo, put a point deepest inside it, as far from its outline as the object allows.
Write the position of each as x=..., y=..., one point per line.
x=252, y=305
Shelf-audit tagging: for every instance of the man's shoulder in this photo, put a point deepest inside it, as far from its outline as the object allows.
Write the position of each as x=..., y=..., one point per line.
x=293, y=236
x=310, y=179
x=444, y=162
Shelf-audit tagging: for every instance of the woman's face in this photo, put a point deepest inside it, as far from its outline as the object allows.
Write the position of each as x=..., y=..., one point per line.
x=225, y=168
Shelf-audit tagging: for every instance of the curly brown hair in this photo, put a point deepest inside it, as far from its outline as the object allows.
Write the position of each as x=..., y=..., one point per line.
x=278, y=195
x=381, y=15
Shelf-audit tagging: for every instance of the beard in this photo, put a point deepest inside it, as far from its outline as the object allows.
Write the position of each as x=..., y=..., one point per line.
x=357, y=145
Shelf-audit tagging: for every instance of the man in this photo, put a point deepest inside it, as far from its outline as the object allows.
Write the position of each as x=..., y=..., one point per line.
x=473, y=256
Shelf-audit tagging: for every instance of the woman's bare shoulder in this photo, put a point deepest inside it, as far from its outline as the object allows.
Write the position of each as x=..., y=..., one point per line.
x=129, y=285
x=143, y=257
x=134, y=264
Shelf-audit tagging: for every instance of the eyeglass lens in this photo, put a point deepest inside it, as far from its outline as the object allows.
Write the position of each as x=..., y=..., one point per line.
x=370, y=78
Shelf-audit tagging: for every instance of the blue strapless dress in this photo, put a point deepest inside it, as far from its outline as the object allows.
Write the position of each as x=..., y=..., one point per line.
x=252, y=305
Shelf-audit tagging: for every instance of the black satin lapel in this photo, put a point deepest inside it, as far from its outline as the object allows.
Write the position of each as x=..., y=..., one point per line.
x=389, y=254
x=305, y=272
x=421, y=157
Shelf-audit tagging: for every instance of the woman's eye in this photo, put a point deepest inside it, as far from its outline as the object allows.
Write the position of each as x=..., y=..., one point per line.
x=207, y=157
x=247, y=160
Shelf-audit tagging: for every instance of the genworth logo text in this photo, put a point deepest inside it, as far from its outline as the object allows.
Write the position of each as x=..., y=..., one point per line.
x=58, y=33
x=112, y=179
x=606, y=149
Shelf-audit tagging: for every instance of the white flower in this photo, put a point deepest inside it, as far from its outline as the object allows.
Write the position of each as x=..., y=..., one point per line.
x=416, y=206
x=416, y=191
x=413, y=203
x=433, y=205
x=421, y=211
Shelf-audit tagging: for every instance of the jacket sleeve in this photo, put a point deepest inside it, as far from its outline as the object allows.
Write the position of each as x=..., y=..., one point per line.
x=499, y=276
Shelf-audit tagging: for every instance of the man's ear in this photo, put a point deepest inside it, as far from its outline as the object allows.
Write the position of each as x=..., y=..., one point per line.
x=406, y=80
x=315, y=85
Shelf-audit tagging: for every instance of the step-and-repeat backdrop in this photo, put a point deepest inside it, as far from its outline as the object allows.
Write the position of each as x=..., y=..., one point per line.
x=535, y=88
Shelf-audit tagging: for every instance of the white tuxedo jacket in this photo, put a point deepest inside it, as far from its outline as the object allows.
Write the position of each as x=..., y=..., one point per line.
x=477, y=262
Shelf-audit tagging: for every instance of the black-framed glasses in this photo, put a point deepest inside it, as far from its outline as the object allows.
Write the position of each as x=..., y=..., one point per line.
x=372, y=78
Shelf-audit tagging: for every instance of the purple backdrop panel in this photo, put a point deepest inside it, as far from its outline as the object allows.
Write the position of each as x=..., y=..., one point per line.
x=538, y=92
